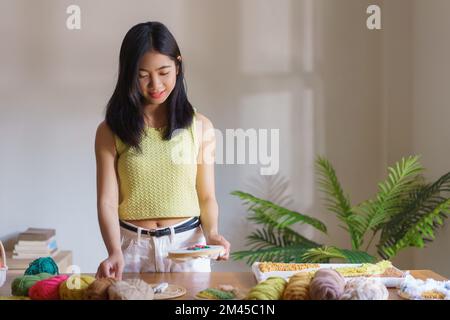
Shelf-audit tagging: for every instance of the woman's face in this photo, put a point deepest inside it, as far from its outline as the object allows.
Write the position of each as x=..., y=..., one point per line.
x=157, y=77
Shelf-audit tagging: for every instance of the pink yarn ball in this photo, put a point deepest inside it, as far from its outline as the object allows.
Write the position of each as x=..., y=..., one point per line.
x=47, y=289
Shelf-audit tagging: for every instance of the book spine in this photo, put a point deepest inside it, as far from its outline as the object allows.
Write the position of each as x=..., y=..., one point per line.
x=19, y=250
x=51, y=242
x=34, y=237
x=33, y=256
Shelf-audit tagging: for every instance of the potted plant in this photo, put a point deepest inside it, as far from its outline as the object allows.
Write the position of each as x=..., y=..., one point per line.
x=405, y=212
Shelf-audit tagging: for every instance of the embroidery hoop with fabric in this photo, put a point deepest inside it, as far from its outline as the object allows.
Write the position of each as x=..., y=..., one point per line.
x=203, y=252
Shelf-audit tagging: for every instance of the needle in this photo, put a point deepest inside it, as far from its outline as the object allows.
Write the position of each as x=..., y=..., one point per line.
x=160, y=288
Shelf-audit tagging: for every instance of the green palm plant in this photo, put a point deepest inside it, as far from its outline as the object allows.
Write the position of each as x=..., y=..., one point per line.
x=405, y=212
x=418, y=218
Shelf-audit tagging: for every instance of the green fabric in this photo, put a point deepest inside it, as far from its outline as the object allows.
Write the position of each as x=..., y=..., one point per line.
x=212, y=293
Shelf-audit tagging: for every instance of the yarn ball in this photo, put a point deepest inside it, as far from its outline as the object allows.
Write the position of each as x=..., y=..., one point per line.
x=365, y=289
x=327, y=284
x=98, y=290
x=270, y=289
x=41, y=265
x=133, y=289
x=47, y=289
x=21, y=285
x=298, y=287
x=75, y=287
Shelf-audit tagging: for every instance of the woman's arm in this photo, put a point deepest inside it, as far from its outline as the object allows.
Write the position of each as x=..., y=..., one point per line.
x=107, y=202
x=209, y=210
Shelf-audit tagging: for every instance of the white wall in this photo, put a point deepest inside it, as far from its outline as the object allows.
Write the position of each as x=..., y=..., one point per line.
x=350, y=70
x=396, y=125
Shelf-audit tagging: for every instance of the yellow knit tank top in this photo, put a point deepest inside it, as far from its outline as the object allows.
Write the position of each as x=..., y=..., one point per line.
x=160, y=182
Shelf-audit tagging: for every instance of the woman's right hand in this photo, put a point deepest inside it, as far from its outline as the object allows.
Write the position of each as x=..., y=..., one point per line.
x=111, y=267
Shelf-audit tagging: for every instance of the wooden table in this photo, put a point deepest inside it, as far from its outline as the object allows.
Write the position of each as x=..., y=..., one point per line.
x=194, y=282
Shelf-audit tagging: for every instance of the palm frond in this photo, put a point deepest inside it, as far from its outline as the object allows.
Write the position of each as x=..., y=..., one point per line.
x=274, y=188
x=421, y=228
x=263, y=238
x=402, y=179
x=280, y=217
x=317, y=255
x=277, y=254
x=335, y=199
x=357, y=221
x=419, y=203
x=329, y=184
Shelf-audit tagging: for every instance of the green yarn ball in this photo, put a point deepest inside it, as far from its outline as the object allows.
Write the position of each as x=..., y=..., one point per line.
x=42, y=265
x=21, y=285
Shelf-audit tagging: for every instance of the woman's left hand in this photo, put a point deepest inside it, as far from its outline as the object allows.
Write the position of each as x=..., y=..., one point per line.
x=221, y=241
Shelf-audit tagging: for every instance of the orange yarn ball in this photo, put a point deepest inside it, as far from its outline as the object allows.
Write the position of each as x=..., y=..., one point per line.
x=98, y=290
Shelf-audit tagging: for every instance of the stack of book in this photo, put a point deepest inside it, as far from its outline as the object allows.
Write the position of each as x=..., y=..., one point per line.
x=36, y=243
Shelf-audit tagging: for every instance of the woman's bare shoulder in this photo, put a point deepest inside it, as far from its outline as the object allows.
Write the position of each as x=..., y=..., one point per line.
x=103, y=129
x=104, y=135
x=206, y=123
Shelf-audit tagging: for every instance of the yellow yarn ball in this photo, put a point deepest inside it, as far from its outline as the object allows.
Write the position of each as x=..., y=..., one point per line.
x=270, y=289
x=298, y=287
x=74, y=287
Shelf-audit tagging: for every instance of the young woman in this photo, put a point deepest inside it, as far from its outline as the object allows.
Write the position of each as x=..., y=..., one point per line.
x=147, y=202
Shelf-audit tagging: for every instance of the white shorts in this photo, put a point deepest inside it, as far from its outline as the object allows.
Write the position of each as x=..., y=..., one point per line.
x=145, y=253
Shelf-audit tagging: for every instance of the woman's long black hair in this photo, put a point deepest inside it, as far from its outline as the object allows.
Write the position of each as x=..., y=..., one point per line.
x=125, y=112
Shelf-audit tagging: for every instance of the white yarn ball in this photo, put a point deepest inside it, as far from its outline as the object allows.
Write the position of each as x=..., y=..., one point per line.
x=365, y=289
x=133, y=289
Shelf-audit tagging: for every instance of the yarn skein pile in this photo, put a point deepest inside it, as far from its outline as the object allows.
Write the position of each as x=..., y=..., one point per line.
x=270, y=289
x=31, y=283
x=42, y=281
x=327, y=284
